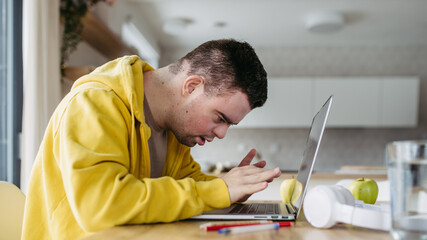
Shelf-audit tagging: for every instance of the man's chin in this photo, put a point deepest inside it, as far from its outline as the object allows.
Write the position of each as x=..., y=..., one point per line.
x=187, y=142
x=190, y=144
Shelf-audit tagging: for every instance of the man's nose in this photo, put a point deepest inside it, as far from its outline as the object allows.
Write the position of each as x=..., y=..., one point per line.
x=220, y=131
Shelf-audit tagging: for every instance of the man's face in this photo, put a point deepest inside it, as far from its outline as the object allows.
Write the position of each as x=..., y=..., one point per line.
x=204, y=117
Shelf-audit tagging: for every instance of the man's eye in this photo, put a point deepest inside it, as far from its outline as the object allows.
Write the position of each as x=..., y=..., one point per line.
x=221, y=120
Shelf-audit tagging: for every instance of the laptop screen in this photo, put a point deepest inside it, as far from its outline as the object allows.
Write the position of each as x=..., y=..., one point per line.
x=312, y=147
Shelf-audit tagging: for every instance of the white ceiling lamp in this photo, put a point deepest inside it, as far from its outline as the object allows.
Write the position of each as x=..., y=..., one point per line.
x=324, y=22
x=176, y=26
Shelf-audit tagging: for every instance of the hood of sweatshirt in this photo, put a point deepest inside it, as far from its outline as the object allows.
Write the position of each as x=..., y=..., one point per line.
x=125, y=77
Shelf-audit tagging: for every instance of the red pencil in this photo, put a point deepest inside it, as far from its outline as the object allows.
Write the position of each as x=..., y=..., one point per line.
x=217, y=227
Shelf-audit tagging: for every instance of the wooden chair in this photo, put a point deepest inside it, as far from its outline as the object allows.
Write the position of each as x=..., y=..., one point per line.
x=12, y=202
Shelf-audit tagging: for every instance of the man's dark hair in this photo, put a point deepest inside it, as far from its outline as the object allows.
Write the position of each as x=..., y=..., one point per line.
x=228, y=65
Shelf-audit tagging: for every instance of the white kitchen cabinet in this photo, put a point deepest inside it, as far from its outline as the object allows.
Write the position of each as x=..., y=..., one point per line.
x=358, y=102
x=400, y=102
x=289, y=104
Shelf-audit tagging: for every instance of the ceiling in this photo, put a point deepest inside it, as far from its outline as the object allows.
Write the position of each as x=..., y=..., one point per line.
x=278, y=23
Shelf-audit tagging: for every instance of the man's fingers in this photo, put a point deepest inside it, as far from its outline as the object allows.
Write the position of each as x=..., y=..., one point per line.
x=260, y=164
x=259, y=187
x=267, y=174
x=254, y=175
x=250, y=189
x=248, y=159
x=248, y=179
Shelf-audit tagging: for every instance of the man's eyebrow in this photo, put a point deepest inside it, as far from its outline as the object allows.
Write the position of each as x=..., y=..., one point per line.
x=227, y=119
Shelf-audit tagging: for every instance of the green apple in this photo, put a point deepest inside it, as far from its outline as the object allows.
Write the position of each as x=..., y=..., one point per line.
x=364, y=189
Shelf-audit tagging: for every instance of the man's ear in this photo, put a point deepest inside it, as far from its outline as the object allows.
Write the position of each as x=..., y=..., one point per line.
x=191, y=83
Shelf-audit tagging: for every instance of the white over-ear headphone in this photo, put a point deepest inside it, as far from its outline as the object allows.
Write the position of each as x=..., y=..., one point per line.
x=324, y=206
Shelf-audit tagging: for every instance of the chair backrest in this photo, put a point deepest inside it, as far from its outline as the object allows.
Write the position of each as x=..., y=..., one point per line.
x=12, y=202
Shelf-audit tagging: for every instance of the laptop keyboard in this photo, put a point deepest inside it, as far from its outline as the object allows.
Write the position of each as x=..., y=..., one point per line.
x=256, y=208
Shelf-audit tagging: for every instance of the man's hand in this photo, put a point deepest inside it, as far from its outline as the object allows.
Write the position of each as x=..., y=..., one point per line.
x=246, y=179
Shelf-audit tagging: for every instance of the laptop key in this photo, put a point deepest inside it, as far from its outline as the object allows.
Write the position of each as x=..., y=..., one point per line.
x=243, y=209
x=261, y=209
x=237, y=208
x=270, y=209
x=256, y=208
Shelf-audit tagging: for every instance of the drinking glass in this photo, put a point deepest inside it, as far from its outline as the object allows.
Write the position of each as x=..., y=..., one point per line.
x=407, y=172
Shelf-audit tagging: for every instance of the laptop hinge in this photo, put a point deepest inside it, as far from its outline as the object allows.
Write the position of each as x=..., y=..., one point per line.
x=291, y=208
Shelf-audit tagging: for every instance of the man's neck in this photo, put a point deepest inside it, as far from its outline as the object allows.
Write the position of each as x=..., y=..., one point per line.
x=158, y=95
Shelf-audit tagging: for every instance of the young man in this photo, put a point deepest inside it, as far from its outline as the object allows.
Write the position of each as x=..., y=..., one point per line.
x=116, y=150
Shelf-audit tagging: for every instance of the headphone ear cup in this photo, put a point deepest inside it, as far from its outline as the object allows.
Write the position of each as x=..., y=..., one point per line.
x=320, y=206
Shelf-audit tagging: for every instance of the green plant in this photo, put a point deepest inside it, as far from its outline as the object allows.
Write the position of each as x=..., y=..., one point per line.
x=72, y=12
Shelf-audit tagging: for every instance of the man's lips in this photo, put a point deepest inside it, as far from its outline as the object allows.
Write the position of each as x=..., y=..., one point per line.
x=201, y=140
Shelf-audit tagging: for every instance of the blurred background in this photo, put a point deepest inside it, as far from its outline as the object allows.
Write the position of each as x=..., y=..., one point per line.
x=372, y=55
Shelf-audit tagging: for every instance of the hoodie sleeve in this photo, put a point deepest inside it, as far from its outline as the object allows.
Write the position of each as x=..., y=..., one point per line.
x=91, y=146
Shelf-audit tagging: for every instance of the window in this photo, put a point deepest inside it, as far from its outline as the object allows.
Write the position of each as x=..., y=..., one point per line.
x=10, y=89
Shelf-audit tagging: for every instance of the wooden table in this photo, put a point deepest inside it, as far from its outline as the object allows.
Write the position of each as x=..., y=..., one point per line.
x=190, y=229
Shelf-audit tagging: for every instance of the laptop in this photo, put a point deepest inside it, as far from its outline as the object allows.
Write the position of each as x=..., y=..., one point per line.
x=280, y=211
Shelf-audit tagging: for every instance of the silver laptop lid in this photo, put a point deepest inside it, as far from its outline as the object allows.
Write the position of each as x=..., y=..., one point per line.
x=312, y=147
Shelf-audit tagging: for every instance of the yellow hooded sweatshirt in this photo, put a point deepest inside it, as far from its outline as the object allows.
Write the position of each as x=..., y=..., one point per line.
x=92, y=170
